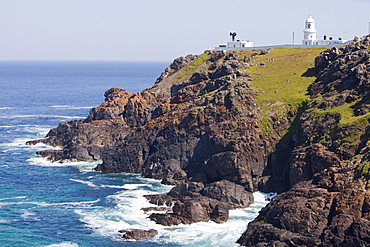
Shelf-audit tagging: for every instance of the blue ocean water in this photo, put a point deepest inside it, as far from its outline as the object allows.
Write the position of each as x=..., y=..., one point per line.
x=53, y=204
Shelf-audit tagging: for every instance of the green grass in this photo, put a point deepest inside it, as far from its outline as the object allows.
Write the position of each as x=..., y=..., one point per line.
x=350, y=127
x=282, y=81
x=186, y=72
x=283, y=77
x=364, y=168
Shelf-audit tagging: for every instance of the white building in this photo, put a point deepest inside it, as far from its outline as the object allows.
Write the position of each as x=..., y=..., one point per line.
x=239, y=44
x=309, y=35
x=235, y=44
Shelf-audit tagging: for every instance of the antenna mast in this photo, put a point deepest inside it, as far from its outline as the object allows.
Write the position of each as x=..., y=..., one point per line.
x=233, y=34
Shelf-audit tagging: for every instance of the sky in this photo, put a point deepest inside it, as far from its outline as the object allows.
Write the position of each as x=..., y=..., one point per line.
x=162, y=30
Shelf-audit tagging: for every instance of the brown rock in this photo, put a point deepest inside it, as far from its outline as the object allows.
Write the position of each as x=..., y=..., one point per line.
x=138, y=234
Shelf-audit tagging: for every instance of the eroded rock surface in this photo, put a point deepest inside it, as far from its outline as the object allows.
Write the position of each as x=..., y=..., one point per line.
x=197, y=126
x=328, y=202
x=138, y=234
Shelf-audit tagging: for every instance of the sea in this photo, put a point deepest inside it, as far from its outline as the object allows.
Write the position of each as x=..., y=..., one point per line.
x=69, y=204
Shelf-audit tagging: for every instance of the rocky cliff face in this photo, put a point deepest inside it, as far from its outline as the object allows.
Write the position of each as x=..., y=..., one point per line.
x=196, y=128
x=328, y=203
x=205, y=128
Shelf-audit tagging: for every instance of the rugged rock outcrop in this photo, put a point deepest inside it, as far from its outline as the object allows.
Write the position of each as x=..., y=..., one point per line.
x=196, y=202
x=201, y=128
x=198, y=125
x=328, y=202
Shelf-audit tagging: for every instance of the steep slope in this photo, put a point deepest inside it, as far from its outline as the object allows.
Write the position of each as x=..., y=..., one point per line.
x=328, y=203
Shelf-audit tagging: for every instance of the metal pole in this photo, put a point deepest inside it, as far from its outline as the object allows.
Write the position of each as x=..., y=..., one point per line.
x=293, y=38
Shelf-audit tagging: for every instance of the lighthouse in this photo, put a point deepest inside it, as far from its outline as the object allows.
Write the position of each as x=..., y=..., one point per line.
x=309, y=33
x=310, y=39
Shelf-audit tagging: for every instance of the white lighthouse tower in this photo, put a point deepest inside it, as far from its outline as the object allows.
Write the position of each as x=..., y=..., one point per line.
x=309, y=32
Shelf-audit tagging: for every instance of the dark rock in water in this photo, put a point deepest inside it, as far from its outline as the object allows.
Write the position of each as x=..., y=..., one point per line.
x=225, y=191
x=138, y=234
x=49, y=153
x=160, y=200
x=309, y=215
x=220, y=214
x=196, y=202
x=146, y=209
x=193, y=210
x=169, y=219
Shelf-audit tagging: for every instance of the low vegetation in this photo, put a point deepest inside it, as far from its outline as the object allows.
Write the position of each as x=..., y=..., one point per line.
x=185, y=73
x=282, y=75
x=281, y=79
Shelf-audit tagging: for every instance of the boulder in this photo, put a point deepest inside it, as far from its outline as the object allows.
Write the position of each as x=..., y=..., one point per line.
x=169, y=219
x=220, y=214
x=229, y=192
x=138, y=234
x=193, y=210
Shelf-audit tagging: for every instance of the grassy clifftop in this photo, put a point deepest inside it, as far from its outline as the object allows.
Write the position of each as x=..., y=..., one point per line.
x=282, y=78
x=283, y=75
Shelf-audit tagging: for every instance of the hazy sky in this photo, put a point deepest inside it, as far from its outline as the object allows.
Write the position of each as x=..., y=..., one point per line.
x=161, y=30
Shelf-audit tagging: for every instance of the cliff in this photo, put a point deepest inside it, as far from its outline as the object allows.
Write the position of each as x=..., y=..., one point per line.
x=329, y=197
x=222, y=125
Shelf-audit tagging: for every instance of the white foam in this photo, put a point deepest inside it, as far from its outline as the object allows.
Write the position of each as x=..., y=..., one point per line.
x=42, y=161
x=127, y=214
x=26, y=214
x=83, y=167
x=131, y=186
x=3, y=221
x=17, y=142
x=34, y=131
x=88, y=183
x=107, y=221
x=213, y=234
x=11, y=198
x=41, y=116
x=81, y=204
x=113, y=186
x=71, y=107
x=63, y=244
x=18, y=116
x=6, y=108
